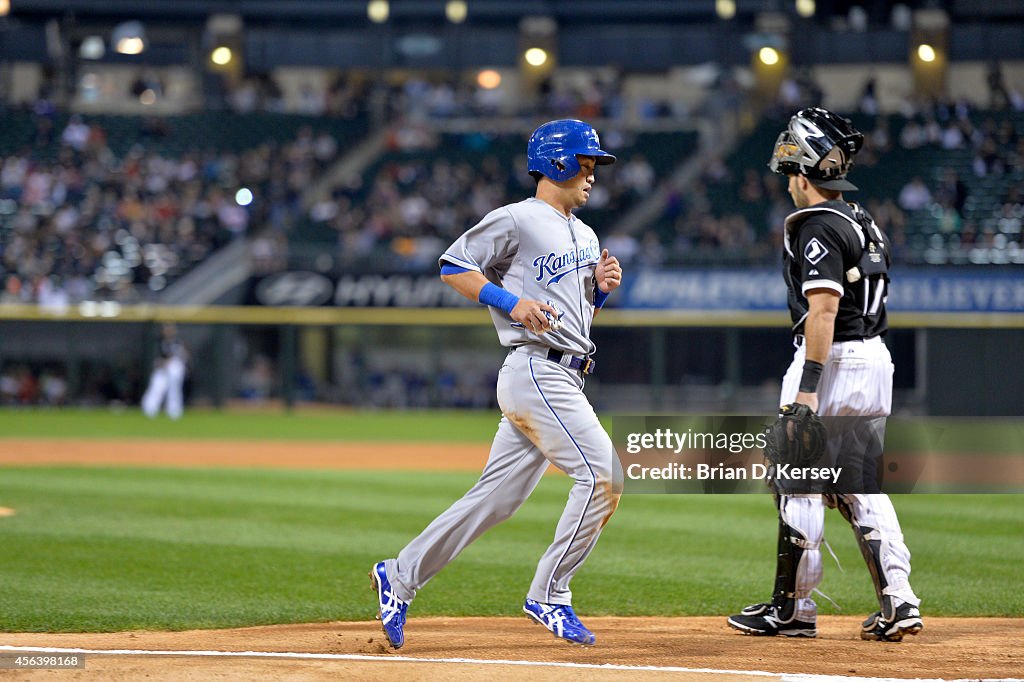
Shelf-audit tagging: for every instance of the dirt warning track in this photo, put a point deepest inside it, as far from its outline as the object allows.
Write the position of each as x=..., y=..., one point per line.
x=224, y=453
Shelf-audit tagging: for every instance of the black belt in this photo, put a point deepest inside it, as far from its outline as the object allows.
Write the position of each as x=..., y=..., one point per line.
x=586, y=364
x=800, y=339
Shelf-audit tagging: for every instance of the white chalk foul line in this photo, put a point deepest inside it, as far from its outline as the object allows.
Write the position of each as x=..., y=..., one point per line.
x=784, y=677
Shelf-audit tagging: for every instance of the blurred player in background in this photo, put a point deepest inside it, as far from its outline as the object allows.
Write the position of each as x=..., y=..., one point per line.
x=836, y=264
x=167, y=382
x=542, y=272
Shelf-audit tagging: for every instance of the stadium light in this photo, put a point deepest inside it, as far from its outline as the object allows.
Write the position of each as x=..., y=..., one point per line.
x=5, y=7
x=456, y=11
x=535, y=56
x=221, y=56
x=129, y=38
x=488, y=79
x=769, y=56
x=92, y=47
x=926, y=53
x=805, y=8
x=725, y=9
x=378, y=11
x=131, y=45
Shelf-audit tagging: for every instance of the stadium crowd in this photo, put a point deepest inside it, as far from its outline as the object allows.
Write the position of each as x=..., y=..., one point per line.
x=415, y=204
x=419, y=98
x=969, y=200
x=409, y=208
x=81, y=222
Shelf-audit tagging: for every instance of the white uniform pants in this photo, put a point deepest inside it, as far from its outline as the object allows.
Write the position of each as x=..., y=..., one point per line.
x=166, y=383
x=856, y=381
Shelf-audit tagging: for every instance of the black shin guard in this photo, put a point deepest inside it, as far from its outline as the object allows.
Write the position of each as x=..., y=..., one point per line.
x=791, y=545
x=871, y=549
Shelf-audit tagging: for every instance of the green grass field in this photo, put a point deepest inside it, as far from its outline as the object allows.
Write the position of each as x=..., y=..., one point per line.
x=104, y=549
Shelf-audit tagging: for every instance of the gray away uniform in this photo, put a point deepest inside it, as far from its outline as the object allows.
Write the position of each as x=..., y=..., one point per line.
x=537, y=253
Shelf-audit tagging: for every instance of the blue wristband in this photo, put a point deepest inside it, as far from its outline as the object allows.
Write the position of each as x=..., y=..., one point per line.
x=496, y=297
x=600, y=297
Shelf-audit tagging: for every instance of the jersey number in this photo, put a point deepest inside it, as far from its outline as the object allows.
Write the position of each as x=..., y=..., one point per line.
x=874, y=293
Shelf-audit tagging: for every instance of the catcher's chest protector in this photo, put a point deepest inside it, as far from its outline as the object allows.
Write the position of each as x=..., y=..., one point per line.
x=860, y=268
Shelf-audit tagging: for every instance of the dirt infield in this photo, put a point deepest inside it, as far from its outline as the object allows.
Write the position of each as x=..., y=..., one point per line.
x=220, y=453
x=689, y=648
x=950, y=648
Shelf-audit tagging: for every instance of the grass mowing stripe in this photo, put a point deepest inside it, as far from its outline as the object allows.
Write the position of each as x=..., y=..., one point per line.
x=114, y=549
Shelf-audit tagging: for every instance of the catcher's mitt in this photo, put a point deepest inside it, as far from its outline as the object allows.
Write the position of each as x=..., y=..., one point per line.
x=796, y=438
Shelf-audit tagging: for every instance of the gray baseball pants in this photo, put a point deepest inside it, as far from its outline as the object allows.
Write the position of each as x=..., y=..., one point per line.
x=546, y=420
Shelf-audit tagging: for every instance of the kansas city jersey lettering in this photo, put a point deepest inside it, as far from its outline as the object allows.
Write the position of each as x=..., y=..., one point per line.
x=557, y=266
x=815, y=251
x=534, y=251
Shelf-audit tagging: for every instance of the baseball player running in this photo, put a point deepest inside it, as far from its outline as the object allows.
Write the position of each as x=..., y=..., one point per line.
x=836, y=263
x=544, y=276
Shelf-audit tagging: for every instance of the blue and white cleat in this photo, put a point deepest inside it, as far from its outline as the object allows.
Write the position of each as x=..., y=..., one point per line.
x=561, y=620
x=390, y=609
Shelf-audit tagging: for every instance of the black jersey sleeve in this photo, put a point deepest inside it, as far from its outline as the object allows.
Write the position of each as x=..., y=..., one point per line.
x=820, y=257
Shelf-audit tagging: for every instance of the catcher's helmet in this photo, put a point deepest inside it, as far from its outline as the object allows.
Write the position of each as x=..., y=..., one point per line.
x=553, y=148
x=818, y=145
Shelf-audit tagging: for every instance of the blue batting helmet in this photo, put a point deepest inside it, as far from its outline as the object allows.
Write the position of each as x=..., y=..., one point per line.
x=553, y=148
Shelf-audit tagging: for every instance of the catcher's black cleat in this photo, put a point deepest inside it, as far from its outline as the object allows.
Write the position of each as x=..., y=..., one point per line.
x=906, y=621
x=765, y=620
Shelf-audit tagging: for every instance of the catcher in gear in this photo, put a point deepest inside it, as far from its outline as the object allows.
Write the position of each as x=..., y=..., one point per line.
x=835, y=264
